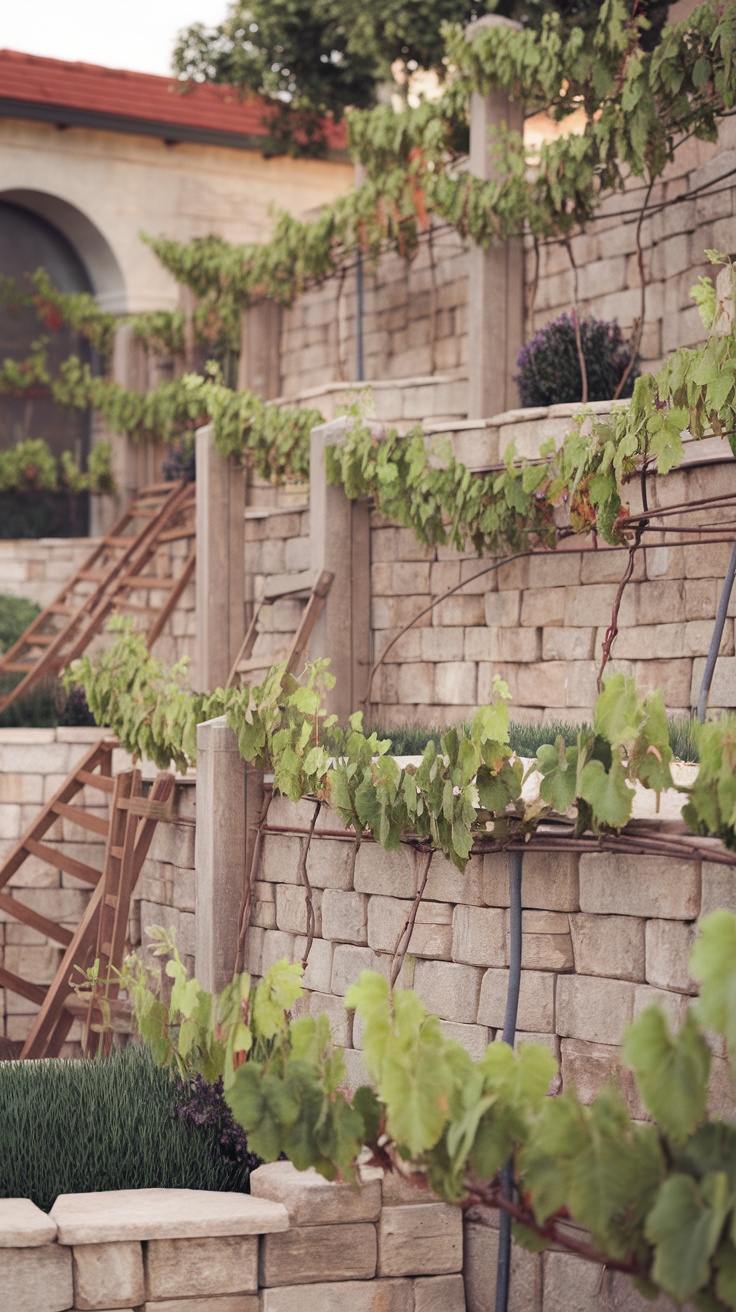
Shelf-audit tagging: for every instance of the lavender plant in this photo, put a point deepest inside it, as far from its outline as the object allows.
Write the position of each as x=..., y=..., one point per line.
x=549, y=366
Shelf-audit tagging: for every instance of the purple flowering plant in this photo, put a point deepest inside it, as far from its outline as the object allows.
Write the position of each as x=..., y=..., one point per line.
x=549, y=366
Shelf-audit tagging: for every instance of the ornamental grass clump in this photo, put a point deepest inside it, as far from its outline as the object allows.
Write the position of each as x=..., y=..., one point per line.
x=549, y=364
x=117, y=1122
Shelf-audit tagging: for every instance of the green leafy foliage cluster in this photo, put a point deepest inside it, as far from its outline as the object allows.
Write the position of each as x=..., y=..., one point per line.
x=636, y=102
x=79, y=310
x=420, y=484
x=656, y=1199
x=468, y=788
x=274, y=438
x=31, y=466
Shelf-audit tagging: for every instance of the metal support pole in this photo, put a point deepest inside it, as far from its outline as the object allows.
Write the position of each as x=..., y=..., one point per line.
x=509, y=1034
x=359, y=316
x=715, y=641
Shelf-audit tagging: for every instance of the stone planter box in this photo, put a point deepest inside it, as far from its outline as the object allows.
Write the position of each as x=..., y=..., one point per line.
x=296, y=1244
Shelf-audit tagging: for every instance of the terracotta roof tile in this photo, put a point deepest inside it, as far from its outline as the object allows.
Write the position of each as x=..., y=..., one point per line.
x=114, y=91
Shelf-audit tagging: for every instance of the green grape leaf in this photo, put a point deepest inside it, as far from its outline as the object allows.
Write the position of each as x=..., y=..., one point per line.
x=713, y=964
x=725, y=1264
x=559, y=766
x=685, y=1226
x=671, y=1072
x=608, y=794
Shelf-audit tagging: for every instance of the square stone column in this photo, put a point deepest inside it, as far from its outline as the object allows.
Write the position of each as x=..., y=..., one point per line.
x=496, y=275
x=259, y=369
x=220, y=852
x=339, y=533
x=220, y=562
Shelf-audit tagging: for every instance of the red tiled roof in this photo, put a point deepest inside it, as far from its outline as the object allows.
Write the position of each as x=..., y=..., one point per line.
x=118, y=93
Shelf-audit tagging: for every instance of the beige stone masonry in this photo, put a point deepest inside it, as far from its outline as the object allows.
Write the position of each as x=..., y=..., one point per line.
x=594, y=1009
x=671, y=889
x=230, y=1303
x=417, y=1240
x=228, y=1265
x=305, y=1255
x=23, y=1225
x=111, y=1216
x=108, y=1275
x=355, y=1295
x=536, y=1000
x=311, y=1200
x=37, y=1279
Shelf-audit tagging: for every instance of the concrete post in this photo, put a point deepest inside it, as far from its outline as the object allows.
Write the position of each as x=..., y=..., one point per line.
x=259, y=369
x=220, y=562
x=339, y=534
x=220, y=852
x=496, y=276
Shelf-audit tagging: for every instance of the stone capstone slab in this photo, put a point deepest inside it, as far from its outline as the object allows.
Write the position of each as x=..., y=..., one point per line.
x=36, y=1280
x=110, y=1216
x=421, y=1240
x=342, y=1296
x=108, y=1275
x=311, y=1200
x=23, y=1225
x=176, y=1268
x=306, y=1255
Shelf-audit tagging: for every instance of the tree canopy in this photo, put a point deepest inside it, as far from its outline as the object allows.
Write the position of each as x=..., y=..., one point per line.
x=312, y=59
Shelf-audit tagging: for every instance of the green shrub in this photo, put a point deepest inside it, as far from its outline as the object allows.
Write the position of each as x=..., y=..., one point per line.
x=549, y=366
x=86, y=1126
x=16, y=613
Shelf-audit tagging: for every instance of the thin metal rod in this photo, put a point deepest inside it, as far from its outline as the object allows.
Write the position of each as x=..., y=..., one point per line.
x=359, y=374
x=503, y=1271
x=715, y=641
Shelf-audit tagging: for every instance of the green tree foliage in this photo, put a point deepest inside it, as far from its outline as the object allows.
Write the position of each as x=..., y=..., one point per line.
x=315, y=58
x=657, y=1200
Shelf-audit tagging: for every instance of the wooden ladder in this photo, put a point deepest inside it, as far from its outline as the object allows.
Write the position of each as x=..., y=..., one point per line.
x=245, y=663
x=107, y=582
x=128, y=830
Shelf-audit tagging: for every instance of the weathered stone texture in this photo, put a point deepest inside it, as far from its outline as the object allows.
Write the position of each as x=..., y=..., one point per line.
x=448, y=990
x=108, y=1275
x=480, y=1267
x=357, y=1295
x=594, y=1009
x=420, y=1240
x=303, y=1256
x=612, y=946
x=536, y=1000
x=310, y=1200
x=176, y=1267
x=37, y=1279
x=611, y=881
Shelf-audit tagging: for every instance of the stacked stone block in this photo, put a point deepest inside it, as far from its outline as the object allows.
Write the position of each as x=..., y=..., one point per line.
x=33, y=766
x=540, y=623
x=276, y=544
x=414, y=320
x=604, y=935
x=297, y=1244
x=680, y=227
x=38, y=568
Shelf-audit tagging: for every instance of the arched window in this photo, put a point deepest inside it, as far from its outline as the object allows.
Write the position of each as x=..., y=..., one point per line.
x=28, y=242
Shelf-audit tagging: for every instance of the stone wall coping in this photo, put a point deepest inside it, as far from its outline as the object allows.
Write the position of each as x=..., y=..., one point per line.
x=135, y=1214
x=23, y=1225
x=310, y=1199
x=378, y=384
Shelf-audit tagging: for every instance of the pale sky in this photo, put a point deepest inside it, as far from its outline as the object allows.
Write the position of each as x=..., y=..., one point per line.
x=134, y=34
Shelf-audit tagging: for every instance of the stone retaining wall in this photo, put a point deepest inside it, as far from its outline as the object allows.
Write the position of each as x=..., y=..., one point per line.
x=604, y=935
x=415, y=320
x=33, y=765
x=296, y=1244
x=38, y=568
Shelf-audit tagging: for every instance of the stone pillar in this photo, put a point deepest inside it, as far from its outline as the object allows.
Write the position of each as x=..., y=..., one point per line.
x=129, y=368
x=259, y=369
x=220, y=562
x=496, y=276
x=339, y=534
x=220, y=852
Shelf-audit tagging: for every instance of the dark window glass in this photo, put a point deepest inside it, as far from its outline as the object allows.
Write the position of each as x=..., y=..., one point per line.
x=27, y=243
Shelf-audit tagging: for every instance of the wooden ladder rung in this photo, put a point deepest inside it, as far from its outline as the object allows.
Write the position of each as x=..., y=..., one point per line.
x=34, y=920
x=92, y=575
x=147, y=581
x=60, y=608
x=61, y=861
x=42, y=639
x=136, y=609
x=23, y=987
x=18, y=667
x=121, y=541
x=103, y=782
x=95, y=823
